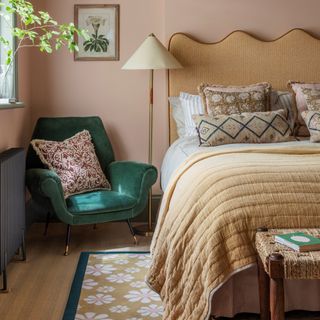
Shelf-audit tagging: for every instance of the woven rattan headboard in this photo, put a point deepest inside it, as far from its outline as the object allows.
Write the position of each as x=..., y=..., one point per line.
x=242, y=59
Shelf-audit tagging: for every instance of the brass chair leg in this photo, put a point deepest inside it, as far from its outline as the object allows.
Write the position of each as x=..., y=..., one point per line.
x=47, y=224
x=4, y=288
x=4, y=276
x=66, y=251
x=22, y=248
x=132, y=232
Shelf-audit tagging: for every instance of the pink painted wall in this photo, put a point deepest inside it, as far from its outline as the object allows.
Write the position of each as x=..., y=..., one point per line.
x=61, y=87
x=212, y=20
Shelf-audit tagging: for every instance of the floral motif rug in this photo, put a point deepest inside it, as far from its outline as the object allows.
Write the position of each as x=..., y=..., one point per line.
x=111, y=286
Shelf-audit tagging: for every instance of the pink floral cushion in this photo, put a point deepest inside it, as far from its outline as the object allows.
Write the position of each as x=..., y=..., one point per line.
x=301, y=104
x=75, y=162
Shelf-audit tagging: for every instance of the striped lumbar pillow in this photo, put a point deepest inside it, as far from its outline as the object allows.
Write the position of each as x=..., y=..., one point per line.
x=191, y=105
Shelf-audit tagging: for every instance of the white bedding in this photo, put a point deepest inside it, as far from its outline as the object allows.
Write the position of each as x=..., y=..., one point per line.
x=182, y=148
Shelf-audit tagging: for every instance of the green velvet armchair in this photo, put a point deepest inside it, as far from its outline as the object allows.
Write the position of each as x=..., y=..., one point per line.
x=130, y=181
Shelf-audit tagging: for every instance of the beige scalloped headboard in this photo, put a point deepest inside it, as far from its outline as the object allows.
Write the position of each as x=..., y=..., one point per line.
x=243, y=59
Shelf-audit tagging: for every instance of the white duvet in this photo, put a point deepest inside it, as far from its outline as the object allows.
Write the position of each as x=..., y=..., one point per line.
x=182, y=148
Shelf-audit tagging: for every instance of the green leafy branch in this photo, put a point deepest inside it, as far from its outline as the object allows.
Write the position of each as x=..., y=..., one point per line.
x=36, y=29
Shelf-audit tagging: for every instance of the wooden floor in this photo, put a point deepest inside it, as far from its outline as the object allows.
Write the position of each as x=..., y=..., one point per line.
x=39, y=287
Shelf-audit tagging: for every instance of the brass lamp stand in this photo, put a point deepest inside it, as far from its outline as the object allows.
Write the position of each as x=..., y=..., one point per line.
x=151, y=55
x=147, y=230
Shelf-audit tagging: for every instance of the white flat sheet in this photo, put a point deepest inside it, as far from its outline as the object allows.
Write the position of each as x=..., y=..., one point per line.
x=182, y=148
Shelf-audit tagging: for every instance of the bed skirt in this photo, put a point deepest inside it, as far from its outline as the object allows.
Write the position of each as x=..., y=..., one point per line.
x=227, y=302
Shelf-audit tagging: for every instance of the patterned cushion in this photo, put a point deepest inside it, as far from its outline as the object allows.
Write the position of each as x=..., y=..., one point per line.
x=258, y=127
x=312, y=119
x=312, y=97
x=75, y=162
x=301, y=104
x=235, y=99
x=283, y=100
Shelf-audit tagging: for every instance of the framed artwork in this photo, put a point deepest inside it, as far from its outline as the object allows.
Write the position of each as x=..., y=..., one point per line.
x=102, y=25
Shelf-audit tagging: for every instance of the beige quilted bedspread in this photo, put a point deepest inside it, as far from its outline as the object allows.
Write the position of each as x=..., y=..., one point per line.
x=209, y=214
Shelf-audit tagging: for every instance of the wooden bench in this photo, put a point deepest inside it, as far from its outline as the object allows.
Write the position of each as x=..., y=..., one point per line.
x=277, y=262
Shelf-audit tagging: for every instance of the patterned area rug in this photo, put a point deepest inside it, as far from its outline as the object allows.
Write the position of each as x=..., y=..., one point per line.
x=111, y=286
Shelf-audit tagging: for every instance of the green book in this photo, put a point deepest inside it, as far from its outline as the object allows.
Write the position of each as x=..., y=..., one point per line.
x=299, y=241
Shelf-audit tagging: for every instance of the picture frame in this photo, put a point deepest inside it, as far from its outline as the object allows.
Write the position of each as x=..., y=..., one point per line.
x=101, y=22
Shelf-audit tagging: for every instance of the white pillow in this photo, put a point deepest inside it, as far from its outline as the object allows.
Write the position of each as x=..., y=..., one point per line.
x=191, y=105
x=178, y=115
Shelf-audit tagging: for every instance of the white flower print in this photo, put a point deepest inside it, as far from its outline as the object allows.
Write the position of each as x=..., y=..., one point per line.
x=89, y=284
x=257, y=96
x=92, y=316
x=230, y=99
x=144, y=295
x=133, y=256
x=99, y=269
x=143, y=263
x=137, y=284
x=152, y=311
x=244, y=95
x=120, y=278
x=121, y=261
x=216, y=98
x=95, y=20
x=144, y=256
x=105, y=289
x=105, y=257
x=119, y=309
x=132, y=270
x=245, y=107
x=99, y=299
x=134, y=318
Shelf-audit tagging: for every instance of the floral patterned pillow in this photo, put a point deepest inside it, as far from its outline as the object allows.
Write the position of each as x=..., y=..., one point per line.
x=253, y=127
x=312, y=120
x=235, y=99
x=312, y=97
x=75, y=162
x=301, y=104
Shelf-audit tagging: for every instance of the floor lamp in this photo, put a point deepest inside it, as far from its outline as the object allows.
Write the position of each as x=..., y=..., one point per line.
x=151, y=55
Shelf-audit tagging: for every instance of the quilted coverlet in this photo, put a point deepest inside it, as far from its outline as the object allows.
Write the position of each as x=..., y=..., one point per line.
x=210, y=212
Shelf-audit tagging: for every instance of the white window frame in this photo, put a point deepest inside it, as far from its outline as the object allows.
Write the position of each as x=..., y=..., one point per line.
x=8, y=102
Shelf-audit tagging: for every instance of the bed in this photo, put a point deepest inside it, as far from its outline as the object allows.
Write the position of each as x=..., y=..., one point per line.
x=185, y=270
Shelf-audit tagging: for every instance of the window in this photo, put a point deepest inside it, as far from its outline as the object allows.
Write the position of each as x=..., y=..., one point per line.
x=7, y=72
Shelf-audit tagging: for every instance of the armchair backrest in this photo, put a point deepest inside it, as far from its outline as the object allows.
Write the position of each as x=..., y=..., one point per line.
x=59, y=129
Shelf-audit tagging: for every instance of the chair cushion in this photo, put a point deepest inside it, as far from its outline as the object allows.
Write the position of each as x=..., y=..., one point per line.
x=75, y=162
x=99, y=202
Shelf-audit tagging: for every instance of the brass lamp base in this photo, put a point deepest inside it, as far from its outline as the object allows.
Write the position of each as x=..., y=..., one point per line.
x=144, y=230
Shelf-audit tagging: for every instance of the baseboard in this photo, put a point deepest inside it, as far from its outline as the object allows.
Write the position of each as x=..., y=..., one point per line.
x=34, y=213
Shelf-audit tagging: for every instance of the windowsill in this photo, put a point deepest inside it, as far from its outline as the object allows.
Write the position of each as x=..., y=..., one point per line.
x=7, y=105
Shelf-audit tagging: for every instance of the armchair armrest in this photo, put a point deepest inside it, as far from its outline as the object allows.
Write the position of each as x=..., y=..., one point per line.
x=37, y=181
x=44, y=185
x=132, y=178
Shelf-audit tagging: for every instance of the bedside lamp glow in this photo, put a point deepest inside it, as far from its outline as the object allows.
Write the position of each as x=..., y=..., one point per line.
x=151, y=55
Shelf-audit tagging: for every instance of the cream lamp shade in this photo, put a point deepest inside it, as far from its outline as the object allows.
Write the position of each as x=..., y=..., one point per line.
x=152, y=55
